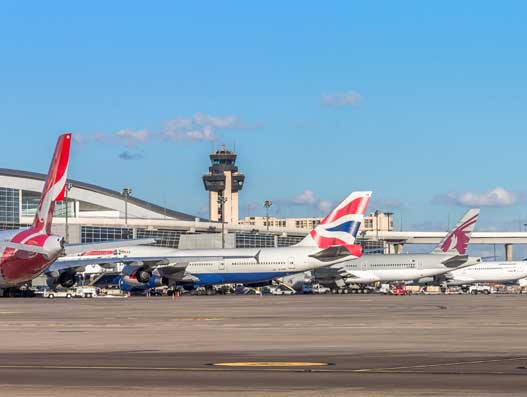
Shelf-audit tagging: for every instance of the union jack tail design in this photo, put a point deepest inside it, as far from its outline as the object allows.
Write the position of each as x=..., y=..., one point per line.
x=456, y=241
x=341, y=226
x=55, y=184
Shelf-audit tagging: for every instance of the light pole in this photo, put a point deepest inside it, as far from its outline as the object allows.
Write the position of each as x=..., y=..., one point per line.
x=126, y=193
x=68, y=188
x=377, y=212
x=267, y=205
x=388, y=215
x=221, y=201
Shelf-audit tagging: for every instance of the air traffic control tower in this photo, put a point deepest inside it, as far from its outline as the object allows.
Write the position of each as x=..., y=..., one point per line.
x=223, y=182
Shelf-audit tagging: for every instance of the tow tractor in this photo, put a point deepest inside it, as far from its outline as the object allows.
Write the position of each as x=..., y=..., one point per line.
x=480, y=289
x=399, y=290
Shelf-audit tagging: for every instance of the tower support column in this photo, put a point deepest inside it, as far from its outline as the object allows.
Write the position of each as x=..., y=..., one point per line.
x=508, y=252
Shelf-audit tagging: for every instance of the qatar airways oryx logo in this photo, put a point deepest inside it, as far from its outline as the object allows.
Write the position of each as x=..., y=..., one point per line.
x=460, y=237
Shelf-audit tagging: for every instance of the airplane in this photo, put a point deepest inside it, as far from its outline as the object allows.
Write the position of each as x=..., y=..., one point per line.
x=27, y=252
x=332, y=241
x=488, y=272
x=450, y=253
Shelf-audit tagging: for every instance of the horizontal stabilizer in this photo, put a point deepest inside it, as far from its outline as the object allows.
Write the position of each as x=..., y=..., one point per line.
x=337, y=252
x=24, y=247
x=455, y=261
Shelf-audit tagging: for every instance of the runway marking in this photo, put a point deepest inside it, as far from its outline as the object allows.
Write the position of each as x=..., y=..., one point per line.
x=388, y=369
x=272, y=364
x=298, y=367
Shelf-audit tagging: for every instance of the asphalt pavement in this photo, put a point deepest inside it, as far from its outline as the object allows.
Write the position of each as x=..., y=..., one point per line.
x=272, y=345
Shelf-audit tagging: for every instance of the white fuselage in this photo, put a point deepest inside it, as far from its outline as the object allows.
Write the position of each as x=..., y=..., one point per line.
x=240, y=265
x=488, y=272
x=388, y=268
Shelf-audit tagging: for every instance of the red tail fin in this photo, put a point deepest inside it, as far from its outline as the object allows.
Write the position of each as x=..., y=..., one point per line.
x=55, y=184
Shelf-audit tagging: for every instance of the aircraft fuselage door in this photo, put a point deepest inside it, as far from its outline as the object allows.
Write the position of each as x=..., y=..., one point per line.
x=221, y=266
x=291, y=263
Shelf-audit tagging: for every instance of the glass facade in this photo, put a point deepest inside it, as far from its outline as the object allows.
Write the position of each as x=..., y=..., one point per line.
x=9, y=208
x=170, y=237
x=371, y=247
x=165, y=237
x=288, y=241
x=254, y=240
x=30, y=201
x=91, y=234
x=60, y=209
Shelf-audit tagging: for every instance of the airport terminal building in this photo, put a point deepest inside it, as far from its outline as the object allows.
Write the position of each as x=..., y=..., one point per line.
x=94, y=213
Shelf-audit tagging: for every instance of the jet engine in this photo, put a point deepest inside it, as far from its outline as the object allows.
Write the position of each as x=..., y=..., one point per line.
x=67, y=279
x=134, y=275
x=53, y=245
x=64, y=279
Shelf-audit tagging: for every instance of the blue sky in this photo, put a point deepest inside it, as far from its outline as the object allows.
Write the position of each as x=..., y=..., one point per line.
x=424, y=103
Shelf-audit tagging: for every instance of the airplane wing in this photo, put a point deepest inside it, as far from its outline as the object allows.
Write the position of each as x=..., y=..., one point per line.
x=148, y=262
x=24, y=247
x=357, y=276
x=343, y=276
x=72, y=249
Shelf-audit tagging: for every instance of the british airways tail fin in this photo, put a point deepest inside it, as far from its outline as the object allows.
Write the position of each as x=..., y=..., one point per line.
x=55, y=184
x=456, y=241
x=340, y=227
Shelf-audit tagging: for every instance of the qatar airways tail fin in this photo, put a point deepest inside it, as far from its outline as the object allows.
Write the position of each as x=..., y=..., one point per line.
x=55, y=184
x=339, y=229
x=456, y=241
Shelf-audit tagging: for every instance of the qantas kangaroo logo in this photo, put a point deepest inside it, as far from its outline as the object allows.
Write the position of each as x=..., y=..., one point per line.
x=459, y=238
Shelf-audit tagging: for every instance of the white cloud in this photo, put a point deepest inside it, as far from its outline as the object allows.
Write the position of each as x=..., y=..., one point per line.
x=350, y=98
x=132, y=137
x=83, y=139
x=497, y=197
x=199, y=127
x=216, y=121
x=195, y=128
x=306, y=197
x=176, y=135
x=180, y=123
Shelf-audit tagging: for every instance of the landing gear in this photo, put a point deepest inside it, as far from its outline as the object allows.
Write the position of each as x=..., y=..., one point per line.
x=210, y=291
x=16, y=292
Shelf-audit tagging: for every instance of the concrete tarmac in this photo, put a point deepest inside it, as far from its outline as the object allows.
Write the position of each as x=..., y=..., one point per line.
x=314, y=345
